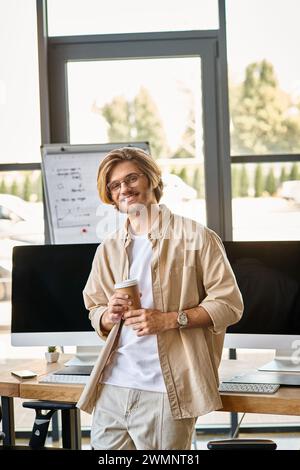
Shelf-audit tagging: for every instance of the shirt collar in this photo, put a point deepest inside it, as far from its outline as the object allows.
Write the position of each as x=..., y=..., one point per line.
x=157, y=230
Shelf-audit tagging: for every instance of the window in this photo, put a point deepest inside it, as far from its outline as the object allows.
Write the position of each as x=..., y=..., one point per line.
x=78, y=17
x=21, y=207
x=19, y=87
x=264, y=76
x=264, y=92
x=21, y=223
x=266, y=201
x=135, y=100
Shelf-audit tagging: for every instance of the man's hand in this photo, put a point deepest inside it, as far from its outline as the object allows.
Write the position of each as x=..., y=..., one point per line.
x=117, y=305
x=147, y=321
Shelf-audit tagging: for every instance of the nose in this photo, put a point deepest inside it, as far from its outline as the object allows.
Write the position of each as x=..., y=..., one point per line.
x=126, y=184
x=124, y=189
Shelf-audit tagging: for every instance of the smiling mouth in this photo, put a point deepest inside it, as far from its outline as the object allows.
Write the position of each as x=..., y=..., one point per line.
x=130, y=197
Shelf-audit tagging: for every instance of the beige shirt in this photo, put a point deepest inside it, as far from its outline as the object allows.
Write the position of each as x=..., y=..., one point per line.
x=189, y=268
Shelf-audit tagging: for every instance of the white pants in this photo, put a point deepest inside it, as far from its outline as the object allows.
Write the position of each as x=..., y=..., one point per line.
x=131, y=419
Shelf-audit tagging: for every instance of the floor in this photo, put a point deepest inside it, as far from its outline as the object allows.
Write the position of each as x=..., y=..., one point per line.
x=286, y=441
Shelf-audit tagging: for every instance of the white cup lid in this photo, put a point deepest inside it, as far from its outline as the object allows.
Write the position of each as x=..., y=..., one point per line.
x=127, y=283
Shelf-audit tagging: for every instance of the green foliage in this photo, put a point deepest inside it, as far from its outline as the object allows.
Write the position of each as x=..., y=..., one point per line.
x=235, y=181
x=3, y=187
x=244, y=184
x=183, y=175
x=51, y=349
x=14, y=189
x=261, y=118
x=27, y=185
x=26, y=188
x=198, y=183
x=135, y=120
x=294, y=174
x=258, y=181
x=117, y=115
x=271, y=182
x=148, y=124
x=37, y=188
x=187, y=147
x=283, y=175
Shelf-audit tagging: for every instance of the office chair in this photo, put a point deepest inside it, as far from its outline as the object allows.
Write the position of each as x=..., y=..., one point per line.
x=241, y=444
x=70, y=425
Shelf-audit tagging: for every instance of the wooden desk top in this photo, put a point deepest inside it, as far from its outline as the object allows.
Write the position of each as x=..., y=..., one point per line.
x=43, y=391
x=285, y=401
x=12, y=386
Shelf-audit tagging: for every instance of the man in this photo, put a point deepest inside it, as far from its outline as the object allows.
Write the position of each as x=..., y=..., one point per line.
x=158, y=370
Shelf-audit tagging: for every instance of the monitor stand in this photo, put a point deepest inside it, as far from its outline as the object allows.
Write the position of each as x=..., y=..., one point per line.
x=85, y=356
x=284, y=361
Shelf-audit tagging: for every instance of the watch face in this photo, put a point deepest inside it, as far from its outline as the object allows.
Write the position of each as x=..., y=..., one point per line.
x=182, y=319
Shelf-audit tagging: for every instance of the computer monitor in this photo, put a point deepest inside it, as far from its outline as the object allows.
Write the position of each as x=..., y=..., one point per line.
x=48, y=308
x=47, y=301
x=268, y=275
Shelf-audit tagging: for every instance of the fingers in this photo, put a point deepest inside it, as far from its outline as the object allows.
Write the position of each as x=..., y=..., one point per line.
x=138, y=326
x=135, y=313
x=143, y=332
x=117, y=309
x=115, y=318
x=120, y=299
x=118, y=295
x=117, y=305
x=115, y=314
x=133, y=321
x=118, y=302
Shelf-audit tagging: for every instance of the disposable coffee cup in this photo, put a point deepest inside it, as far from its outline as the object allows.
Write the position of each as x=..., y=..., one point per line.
x=131, y=288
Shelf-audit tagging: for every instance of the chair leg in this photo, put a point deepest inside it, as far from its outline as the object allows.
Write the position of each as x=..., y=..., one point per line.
x=8, y=421
x=40, y=429
x=194, y=441
x=55, y=428
x=71, y=428
x=234, y=422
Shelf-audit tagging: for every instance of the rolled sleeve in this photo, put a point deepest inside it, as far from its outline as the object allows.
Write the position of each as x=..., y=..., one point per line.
x=95, y=318
x=95, y=296
x=223, y=301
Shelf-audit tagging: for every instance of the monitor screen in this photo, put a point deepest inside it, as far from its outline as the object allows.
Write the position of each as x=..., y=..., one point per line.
x=48, y=308
x=268, y=276
x=47, y=301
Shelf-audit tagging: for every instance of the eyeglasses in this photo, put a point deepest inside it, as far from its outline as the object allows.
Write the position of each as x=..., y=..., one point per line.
x=130, y=180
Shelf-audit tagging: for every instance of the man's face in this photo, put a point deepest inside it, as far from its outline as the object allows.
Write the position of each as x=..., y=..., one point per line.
x=130, y=197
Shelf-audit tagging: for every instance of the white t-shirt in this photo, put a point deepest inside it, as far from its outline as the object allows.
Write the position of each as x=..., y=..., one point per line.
x=135, y=362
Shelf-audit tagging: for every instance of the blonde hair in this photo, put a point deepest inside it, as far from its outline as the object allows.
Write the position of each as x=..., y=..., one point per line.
x=143, y=160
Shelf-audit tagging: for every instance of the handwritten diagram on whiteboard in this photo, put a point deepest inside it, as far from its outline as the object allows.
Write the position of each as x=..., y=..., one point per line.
x=75, y=212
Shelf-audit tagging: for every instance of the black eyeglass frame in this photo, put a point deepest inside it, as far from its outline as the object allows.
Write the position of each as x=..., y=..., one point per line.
x=123, y=181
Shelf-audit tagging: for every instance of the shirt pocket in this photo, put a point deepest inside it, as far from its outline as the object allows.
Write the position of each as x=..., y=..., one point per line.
x=183, y=288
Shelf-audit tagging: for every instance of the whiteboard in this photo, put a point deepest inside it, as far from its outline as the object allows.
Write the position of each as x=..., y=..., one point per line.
x=75, y=212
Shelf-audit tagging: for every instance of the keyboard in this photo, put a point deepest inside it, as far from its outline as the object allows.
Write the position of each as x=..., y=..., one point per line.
x=64, y=379
x=248, y=388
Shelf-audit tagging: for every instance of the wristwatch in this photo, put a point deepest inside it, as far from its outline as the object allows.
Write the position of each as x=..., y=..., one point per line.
x=182, y=319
